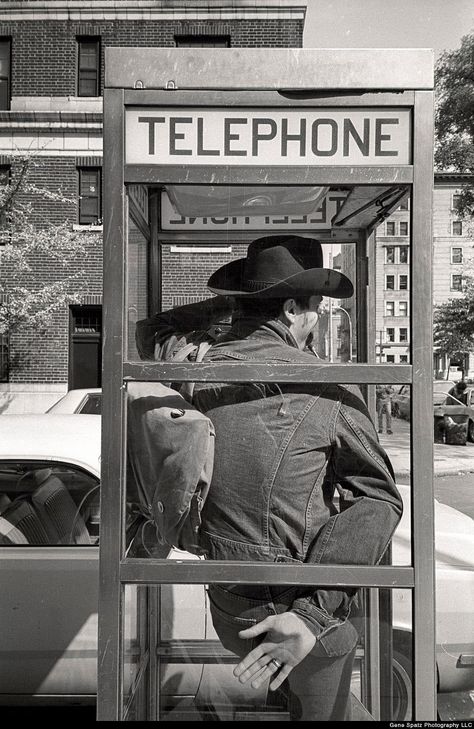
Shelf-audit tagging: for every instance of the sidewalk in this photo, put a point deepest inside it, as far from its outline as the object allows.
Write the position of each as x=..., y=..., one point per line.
x=448, y=459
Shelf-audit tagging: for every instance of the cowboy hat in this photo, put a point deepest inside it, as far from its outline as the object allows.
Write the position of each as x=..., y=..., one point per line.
x=280, y=266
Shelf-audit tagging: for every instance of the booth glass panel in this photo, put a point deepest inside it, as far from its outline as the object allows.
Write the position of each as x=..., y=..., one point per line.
x=193, y=677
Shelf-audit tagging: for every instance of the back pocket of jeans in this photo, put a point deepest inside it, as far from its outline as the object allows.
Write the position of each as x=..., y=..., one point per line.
x=229, y=618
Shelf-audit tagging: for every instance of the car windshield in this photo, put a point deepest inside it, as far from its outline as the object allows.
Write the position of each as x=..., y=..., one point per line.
x=440, y=392
x=54, y=405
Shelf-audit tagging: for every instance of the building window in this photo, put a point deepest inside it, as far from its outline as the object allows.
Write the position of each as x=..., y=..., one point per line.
x=403, y=334
x=456, y=202
x=403, y=254
x=88, y=67
x=403, y=358
x=3, y=357
x=403, y=308
x=90, y=197
x=390, y=254
x=202, y=41
x=390, y=334
x=390, y=227
x=404, y=205
x=457, y=227
x=389, y=308
x=456, y=282
x=5, y=73
x=403, y=227
x=4, y=180
x=403, y=281
x=390, y=281
x=456, y=255
x=390, y=358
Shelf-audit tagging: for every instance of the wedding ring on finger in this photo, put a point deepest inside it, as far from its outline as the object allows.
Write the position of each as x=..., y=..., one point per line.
x=276, y=664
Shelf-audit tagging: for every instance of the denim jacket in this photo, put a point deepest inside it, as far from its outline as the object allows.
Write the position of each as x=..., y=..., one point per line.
x=299, y=474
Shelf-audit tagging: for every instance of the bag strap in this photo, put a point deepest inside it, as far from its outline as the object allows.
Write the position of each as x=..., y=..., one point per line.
x=187, y=388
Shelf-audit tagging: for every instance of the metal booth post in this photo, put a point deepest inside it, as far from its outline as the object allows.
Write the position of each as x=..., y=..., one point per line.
x=143, y=87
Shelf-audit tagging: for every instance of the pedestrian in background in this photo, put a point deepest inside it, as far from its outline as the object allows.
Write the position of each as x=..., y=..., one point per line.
x=384, y=395
x=459, y=392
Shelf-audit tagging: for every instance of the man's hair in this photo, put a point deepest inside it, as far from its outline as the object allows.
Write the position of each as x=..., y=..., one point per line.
x=268, y=308
x=461, y=385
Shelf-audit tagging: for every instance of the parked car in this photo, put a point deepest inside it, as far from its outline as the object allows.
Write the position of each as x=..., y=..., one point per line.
x=401, y=402
x=49, y=531
x=87, y=401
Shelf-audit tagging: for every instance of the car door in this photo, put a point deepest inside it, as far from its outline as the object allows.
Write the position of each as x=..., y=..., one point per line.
x=49, y=519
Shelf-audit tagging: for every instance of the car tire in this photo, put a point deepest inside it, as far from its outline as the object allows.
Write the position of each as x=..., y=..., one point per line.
x=402, y=685
x=470, y=431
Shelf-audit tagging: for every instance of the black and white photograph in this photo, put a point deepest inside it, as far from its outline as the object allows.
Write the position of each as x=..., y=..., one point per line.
x=237, y=361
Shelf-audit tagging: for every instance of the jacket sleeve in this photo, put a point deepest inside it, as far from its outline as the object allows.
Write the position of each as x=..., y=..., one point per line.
x=370, y=508
x=162, y=334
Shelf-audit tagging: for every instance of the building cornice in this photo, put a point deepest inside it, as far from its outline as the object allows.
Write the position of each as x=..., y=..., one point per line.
x=77, y=10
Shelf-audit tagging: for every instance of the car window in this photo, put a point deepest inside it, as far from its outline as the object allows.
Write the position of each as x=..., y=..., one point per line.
x=47, y=504
x=91, y=405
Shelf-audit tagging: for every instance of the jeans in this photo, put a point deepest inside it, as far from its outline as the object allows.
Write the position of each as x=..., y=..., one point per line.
x=318, y=689
x=384, y=407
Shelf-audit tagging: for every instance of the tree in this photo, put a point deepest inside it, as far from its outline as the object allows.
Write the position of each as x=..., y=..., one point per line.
x=454, y=149
x=28, y=299
x=453, y=331
x=42, y=262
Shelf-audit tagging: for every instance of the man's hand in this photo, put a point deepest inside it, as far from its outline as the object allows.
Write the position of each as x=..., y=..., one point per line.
x=288, y=641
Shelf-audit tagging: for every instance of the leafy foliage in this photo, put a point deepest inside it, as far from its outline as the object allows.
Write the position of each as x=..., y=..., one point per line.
x=454, y=150
x=41, y=262
x=453, y=331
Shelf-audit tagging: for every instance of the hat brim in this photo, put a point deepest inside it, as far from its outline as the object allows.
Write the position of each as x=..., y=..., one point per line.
x=227, y=281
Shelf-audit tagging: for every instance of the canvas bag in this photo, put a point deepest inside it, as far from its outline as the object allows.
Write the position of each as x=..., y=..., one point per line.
x=170, y=452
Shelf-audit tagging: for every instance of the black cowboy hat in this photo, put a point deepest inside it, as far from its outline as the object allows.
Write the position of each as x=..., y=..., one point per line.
x=280, y=266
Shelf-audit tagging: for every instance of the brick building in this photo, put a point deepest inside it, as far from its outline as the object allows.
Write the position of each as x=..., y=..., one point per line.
x=51, y=82
x=453, y=243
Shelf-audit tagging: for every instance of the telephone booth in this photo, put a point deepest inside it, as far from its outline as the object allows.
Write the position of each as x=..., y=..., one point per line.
x=204, y=151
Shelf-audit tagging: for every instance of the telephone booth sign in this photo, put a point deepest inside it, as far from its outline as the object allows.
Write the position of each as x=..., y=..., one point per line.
x=206, y=150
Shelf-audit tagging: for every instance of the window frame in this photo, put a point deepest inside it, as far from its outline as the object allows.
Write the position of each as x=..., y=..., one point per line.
x=454, y=201
x=456, y=288
x=390, y=305
x=90, y=40
x=390, y=334
x=4, y=357
x=457, y=248
x=387, y=257
x=406, y=257
x=31, y=464
x=454, y=228
x=390, y=278
x=8, y=78
x=403, y=277
x=403, y=224
x=404, y=303
x=80, y=213
x=404, y=337
x=5, y=179
x=388, y=228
